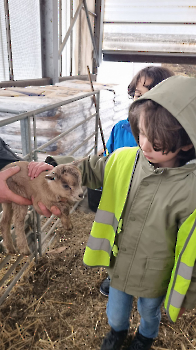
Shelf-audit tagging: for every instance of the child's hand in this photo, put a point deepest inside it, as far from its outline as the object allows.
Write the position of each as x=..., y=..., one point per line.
x=182, y=310
x=36, y=168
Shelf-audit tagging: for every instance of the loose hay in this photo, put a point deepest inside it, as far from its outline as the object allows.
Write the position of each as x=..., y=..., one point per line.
x=58, y=304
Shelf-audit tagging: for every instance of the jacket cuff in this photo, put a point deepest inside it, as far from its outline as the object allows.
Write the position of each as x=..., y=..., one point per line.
x=50, y=160
x=59, y=160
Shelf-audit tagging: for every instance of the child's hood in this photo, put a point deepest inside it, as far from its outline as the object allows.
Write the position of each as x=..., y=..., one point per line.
x=178, y=95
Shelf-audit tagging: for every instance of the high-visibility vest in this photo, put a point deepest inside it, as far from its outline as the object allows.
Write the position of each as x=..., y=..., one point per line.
x=185, y=256
x=117, y=175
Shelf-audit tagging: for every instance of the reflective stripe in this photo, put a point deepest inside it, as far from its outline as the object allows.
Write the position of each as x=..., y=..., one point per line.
x=185, y=271
x=105, y=217
x=190, y=227
x=177, y=299
x=99, y=244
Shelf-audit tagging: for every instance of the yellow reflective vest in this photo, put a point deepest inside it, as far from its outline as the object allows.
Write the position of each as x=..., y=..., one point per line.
x=118, y=176
x=185, y=256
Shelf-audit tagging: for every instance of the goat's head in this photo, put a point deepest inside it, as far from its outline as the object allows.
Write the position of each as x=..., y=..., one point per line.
x=66, y=181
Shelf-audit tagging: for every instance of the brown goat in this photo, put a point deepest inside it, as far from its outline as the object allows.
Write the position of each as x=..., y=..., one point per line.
x=59, y=187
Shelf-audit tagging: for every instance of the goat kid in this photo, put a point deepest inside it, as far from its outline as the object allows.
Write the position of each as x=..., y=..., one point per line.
x=59, y=187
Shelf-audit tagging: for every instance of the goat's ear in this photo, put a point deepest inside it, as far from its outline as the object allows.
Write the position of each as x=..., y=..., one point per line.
x=50, y=177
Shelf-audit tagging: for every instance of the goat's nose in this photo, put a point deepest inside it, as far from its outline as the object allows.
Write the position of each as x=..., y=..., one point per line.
x=81, y=195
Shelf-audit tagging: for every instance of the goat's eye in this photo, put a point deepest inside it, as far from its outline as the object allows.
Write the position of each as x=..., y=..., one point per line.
x=66, y=186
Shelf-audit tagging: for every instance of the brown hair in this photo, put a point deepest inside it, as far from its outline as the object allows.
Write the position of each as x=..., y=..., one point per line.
x=156, y=74
x=163, y=130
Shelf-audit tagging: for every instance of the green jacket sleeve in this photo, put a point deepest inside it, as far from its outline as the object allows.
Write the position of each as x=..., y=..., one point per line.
x=92, y=168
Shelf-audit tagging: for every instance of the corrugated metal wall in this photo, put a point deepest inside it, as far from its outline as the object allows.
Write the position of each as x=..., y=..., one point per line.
x=157, y=26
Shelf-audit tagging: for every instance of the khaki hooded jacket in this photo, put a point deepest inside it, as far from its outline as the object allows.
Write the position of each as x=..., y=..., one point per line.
x=159, y=201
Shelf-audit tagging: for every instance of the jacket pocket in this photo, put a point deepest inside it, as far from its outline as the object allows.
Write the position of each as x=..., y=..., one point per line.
x=157, y=273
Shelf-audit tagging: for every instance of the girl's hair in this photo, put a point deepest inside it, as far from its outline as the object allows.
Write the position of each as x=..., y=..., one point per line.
x=156, y=74
x=163, y=130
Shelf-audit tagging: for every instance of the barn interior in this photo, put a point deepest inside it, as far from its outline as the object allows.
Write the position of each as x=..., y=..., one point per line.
x=64, y=71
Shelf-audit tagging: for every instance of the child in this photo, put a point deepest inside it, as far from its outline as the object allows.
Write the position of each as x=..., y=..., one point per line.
x=161, y=197
x=148, y=77
x=145, y=201
x=121, y=134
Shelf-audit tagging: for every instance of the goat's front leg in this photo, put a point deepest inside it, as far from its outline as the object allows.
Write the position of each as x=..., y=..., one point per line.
x=5, y=227
x=19, y=212
x=65, y=217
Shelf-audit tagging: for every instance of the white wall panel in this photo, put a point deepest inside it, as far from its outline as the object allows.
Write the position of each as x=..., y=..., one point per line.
x=174, y=11
x=4, y=66
x=25, y=37
x=156, y=26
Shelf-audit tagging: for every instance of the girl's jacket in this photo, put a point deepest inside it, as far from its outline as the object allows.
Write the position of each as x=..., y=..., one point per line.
x=121, y=136
x=159, y=201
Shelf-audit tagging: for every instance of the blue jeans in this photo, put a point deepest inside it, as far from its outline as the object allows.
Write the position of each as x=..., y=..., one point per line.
x=119, y=307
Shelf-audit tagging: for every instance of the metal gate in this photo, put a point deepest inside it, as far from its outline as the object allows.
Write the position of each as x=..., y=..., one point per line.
x=39, y=236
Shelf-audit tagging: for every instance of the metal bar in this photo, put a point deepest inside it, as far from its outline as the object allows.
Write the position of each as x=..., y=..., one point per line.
x=62, y=134
x=79, y=44
x=54, y=226
x=11, y=269
x=71, y=39
x=48, y=244
x=99, y=9
x=83, y=143
x=146, y=23
x=90, y=12
x=16, y=278
x=4, y=58
x=89, y=151
x=60, y=35
x=9, y=42
x=29, y=139
x=35, y=234
x=47, y=223
x=11, y=111
x=77, y=77
x=24, y=136
x=97, y=122
x=4, y=261
x=38, y=235
x=35, y=137
x=70, y=27
x=49, y=38
x=155, y=57
x=26, y=82
x=50, y=231
x=43, y=109
x=91, y=33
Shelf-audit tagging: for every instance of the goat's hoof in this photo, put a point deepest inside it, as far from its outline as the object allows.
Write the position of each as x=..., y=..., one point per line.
x=10, y=251
x=24, y=251
x=66, y=225
x=69, y=227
